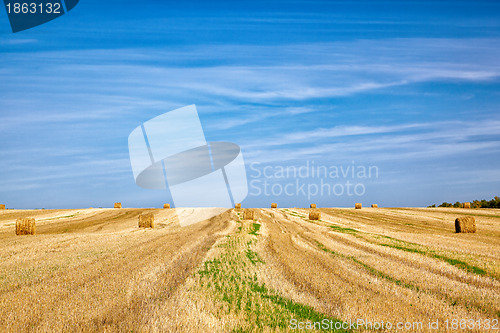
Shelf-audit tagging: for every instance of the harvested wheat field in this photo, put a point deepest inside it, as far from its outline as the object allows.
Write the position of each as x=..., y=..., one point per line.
x=95, y=270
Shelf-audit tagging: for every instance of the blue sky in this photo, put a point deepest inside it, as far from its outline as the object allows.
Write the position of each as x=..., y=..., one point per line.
x=411, y=88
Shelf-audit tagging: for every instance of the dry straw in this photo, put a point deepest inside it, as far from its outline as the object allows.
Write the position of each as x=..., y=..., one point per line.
x=147, y=220
x=374, y=206
x=357, y=206
x=312, y=206
x=274, y=205
x=166, y=206
x=248, y=214
x=314, y=214
x=237, y=206
x=118, y=205
x=2, y=206
x=25, y=226
x=465, y=224
x=466, y=205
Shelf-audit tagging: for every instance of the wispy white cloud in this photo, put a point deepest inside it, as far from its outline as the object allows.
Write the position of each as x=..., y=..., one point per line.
x=75, y=172
x=17, y=41
x=381, y=143
x=342, y=131
x=301, y=72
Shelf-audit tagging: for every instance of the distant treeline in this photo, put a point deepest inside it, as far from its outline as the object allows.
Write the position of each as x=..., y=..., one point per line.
x=493, y=203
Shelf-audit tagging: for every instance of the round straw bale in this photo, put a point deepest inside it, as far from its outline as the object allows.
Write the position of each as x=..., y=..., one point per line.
x=465, y=224
x=314, y=214
x=147, y=220
x=248, y=214
x=25, y=226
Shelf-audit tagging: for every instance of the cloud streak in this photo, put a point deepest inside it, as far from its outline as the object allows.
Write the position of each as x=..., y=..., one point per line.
x=382, y=143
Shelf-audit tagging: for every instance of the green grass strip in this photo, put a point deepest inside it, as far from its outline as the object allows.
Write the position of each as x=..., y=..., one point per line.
x=368, y=268
x=460, y=264
x=255, y=229
x=344, y=230
x=454, y=262
x=230, y=280
x=253, y=257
